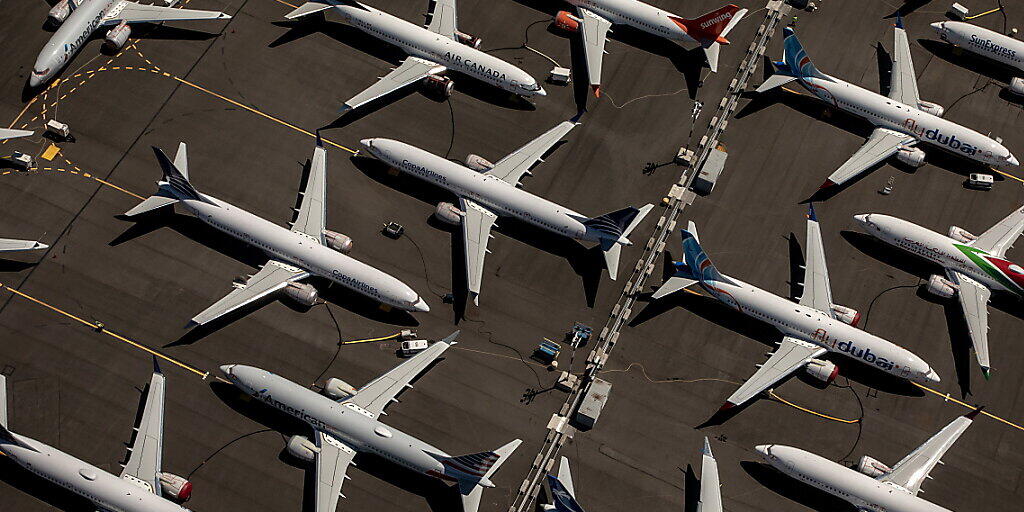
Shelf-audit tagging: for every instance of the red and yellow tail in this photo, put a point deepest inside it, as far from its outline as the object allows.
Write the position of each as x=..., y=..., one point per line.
x=709, y=28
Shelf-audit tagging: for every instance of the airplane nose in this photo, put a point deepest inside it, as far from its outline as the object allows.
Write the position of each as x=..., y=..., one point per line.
x=34, y=81
x=421, y=306
x=763, y=449
x=541, y=92
x=861, y=219
x=226, y=369
x=1012, y=160
x=367, y=143
x=932, y=377
x=937, y=26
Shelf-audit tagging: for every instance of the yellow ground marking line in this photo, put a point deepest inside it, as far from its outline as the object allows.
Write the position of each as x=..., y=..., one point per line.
x=286, y=3
x=104, y=330
x=997, y=9
x=371, y=340
x=808, y=411
x=460, y=347
x=1008, y=175
x=79, y=173
x=946, y=397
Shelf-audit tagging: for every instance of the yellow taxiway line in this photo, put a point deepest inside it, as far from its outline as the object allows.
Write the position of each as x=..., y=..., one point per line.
x=947, y=398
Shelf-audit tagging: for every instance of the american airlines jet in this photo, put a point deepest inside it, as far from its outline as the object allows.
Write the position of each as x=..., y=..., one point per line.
x=903, y=122
x=487, y=191
x=873, y=486
x=307, y=249
x=987, y=43
x=974, y=265
x=347, y=421
x=594, y=19
x=811, y=328
x=79, y=19
x=433, y=51
x=142, y=485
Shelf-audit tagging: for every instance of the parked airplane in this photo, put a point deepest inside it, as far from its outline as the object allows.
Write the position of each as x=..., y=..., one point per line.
x=902, y=120
x=6, y=133
x=79, y=19
x=430, y=56
x=974, y=265
x=487, y=191
x=873, y=486
x=596, y=18
x=141, y=487
x=987, y=43
x=563, y=495
x=12, y=245
x=346, y=422
x=710, y=489
x=811, y=327
x=307, y=249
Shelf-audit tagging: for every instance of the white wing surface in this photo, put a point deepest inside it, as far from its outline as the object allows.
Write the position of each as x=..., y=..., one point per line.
x=380, y=392
x=147, y=447
x=973, y=297
x=910, y=472
x=332, y=460
x=674, y=284
x=412, y=70
x=882, y=144
x=817, y=290
x=476, y=232
x=443, y=19
x=11, y=245
x=6, y=133
x=710, y=489
x=518, y=163
x=132, y=12
x=1000, y=237
x=311, y=218
x=903, y=84
x=791, y=355
x=594, y=32
x=272, y=277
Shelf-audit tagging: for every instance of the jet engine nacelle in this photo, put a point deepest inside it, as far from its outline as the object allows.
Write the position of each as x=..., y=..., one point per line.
x=60, y=12
x=846, y=314
x=303, y=293
x=566, y=21
x=339, y=389
x=302, y=448
x=117, y=37
x=938, y=285
x=439, y=86
x=872, y=467
x=932, y=108
x=338, y=242
x=1017, y=86
x=913, y=157
x=468, y=39
x=961, y=235
x=478, y=163
x=449, y=214
x=825, y=371
x=176, y=487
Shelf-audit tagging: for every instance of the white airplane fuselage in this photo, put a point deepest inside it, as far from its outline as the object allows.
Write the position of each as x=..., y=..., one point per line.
x=105, y=490
x=305, y=252
x=420, y=42
x=641, y=16
x=813, y=326
x=72, y=35
x=982, y=41
x=496, y=194
x=997, y=274
x=858, y=489
x=925, y=127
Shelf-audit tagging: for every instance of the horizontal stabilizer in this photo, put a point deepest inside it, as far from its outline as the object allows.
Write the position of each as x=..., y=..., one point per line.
x=674, y=284
x=320, y=5
x=774, y=81
x=150, y=204
x=471, y=498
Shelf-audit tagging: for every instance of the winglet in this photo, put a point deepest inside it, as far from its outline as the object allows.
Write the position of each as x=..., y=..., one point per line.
x=971, y=415
x=707, y=447
x=319, y=140
x=576, y=119
x=156, y=366
x=899, y=20
x=987, y=372
x=810, y=213
x=597, y=90
x=450, y=339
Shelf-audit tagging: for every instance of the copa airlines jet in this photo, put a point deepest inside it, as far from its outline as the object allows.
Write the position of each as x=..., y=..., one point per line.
x=873, y=486
x=902, y=120
x=811, y=328
x=987, y=43
x=433, y=51
x=79, y=19
x=346, y=422
x=974, y=265
x=594, y=19
x=488, y=191
x=307, y=249
x=141, y=487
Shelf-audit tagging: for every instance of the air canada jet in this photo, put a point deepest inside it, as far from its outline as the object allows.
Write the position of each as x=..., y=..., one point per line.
x=307, y=249
x=142, y=486
x=903, y=122
x=811, y=328
x=487, y=191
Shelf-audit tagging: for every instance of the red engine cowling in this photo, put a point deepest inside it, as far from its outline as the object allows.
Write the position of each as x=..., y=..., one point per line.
x=468, y=39
x=846, y=314
x=175, y=487
x=824, y=371
x=961, y=235
x=567, y=22
x=938, y=285
x=913, y=157
x=932, y=108
x=117, y=37
x=60, y=12
x=338, y=242
x=872, y=467
x=439, y=86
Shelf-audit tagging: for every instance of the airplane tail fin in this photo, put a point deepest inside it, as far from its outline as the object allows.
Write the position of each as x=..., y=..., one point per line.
x=711, y=29
x=697, y=263
x=795, y=64
x=474, y=472
x=615, y=228
x=173, y=187
x=563, y=495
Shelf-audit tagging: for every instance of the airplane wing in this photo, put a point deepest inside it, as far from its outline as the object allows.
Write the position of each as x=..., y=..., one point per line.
x=517, y=163
x=910, y=472
x=443, y=19
x=903, y=83
x=882, y=144
x=476, y=232
x=378, y=393
x=11, y=245
x=973, y=297
x=332, y=460
x=595, y=33
x=311, y=217
x=710, y=489
x=791, y=355
x=412, y=70
x=817, y=290
x=997, y=239
x=13, y=134
x=272, y=277
x=147, y=448
x=132, y=12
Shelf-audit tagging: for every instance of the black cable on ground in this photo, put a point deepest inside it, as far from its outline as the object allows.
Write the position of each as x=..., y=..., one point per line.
x=336, y=351
x=212, y=455
x=860, y=417
x=864, y=326
x=451, y=143
x=526, y=38
x=490, y=339
x=423, y=260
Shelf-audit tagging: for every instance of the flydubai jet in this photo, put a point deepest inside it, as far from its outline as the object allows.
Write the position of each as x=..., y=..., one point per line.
x=903, y=122
x=79, y=19
x=594, y=19
x=974, y=265
x=873, y=486
x=987, y=43
x=346, y=421
x=811, y=328
x=142, y=485
x=487, y=191
x=432, y=51
x=307, y=249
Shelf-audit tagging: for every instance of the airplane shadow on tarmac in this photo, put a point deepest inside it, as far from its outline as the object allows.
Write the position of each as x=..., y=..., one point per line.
x=439, y=496
x=975, y=63
x=794, y=490
x=53, y=495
